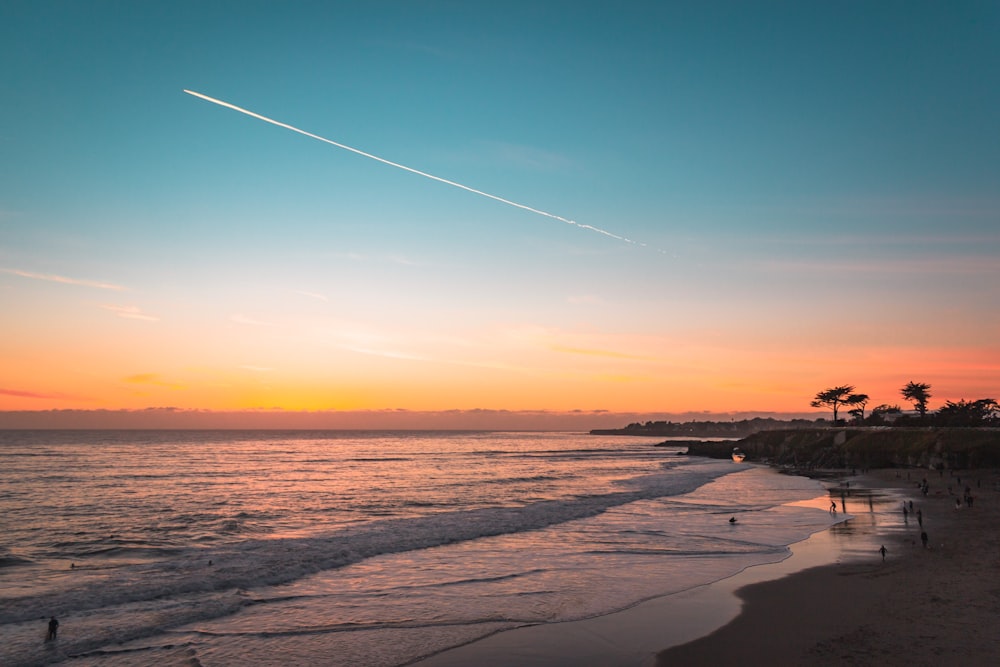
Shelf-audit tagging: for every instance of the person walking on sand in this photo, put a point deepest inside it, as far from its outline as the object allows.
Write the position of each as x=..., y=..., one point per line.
x=833, y=507
x=883, y=552
x=53, y=629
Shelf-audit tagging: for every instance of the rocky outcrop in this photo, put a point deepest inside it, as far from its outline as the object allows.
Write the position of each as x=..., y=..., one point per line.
x=954, y=448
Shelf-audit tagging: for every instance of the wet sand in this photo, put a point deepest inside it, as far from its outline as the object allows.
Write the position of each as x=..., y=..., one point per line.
x=933, y=606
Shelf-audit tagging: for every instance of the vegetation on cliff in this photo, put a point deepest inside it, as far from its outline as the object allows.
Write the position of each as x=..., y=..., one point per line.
x=953, y=448
x=979, y=412
x=706, y=429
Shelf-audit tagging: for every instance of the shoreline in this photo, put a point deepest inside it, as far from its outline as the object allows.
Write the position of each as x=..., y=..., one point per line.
x=922, y=606
x=634, y=636
x=832, y=600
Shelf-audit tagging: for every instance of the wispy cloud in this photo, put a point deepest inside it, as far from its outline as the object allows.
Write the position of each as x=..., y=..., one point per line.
x=885, y=265
x=624, y=379
x=389, y=354
x=871, y=238
x=403, y=261
x=585, y=300
x=384, y=259
x=363, y=340
x=53, y=278
x=417, y=47
x=611, y=354
x=311, y=295
x=18, y=393
x=152, y=379
x=130, y=312
x=529, y=157
x=883, y=207
x=352, y=256
x=249, y=321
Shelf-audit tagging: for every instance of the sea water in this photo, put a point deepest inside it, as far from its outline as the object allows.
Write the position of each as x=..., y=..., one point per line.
x=357, y=548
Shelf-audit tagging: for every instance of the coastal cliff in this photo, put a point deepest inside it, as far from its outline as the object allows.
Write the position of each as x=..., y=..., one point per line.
x=954, y=448
x=707, y=429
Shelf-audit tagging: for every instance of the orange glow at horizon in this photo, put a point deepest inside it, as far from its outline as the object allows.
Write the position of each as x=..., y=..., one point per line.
x=690, y=381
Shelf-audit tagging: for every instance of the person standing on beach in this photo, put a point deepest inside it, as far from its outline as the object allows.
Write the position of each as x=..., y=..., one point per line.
x=920, y=517
x=923, y=538
x=53, y=629
x=883, y=552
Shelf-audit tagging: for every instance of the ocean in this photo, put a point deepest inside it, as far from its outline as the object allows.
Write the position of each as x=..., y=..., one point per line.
x=357, y=548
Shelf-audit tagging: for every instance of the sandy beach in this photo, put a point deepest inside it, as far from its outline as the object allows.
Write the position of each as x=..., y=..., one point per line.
x=921, y=606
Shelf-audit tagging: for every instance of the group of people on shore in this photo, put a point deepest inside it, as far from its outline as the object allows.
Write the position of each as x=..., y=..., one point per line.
x=908, y=509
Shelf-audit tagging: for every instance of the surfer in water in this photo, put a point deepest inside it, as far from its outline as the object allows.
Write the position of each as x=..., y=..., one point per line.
x=732, y=519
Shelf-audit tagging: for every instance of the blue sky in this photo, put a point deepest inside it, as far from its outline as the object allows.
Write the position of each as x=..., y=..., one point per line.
x=814, y=180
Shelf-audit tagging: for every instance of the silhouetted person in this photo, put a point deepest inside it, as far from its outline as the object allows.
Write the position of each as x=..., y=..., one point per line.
x=923, y=538
x=920, y=518
x=833, y=507
x=882, y=551
x=53, y=629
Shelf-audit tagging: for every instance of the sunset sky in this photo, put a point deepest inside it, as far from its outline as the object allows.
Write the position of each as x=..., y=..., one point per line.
x=813, y=192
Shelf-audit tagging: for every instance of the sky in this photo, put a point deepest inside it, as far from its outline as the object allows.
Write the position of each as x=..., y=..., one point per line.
x=796, y=195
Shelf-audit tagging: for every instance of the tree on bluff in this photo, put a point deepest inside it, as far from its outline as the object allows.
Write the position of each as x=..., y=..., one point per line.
x=968, y=413
x=917, y=393
x=858, y=403
x=880, y=414
x=834, y=398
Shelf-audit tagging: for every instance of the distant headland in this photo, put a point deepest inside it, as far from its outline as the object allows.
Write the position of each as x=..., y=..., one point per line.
x=708, y=429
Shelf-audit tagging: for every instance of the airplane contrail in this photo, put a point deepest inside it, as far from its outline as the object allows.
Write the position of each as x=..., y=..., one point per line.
x=412, y=170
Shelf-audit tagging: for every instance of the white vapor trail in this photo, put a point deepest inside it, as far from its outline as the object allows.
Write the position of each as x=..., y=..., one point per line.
x=62, y=279
x=412, y=170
